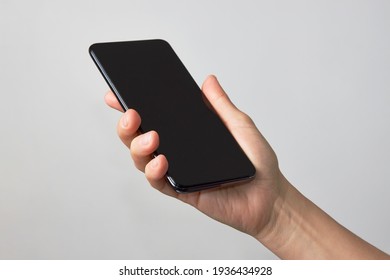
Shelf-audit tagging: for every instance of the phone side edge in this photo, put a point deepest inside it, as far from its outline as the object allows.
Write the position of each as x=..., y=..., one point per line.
x=106, y=77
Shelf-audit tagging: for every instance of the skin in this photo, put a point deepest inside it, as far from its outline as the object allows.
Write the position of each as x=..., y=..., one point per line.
x=268, y=207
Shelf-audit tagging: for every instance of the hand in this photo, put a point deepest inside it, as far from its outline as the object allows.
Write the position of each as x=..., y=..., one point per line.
x=245, y=206
x=268, y=207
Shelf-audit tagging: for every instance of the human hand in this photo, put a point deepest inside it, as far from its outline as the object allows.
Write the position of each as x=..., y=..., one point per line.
x=268, y=207
x=246, y=206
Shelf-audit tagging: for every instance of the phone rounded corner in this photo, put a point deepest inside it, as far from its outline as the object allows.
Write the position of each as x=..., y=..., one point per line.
x=175, y=185
x=163, y=42
x=253, y=172
x=91, y=48
x=172, y=182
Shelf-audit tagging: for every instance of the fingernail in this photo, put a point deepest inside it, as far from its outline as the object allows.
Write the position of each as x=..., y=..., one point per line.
x=145, y=139
x=125, y=120
x=154, y=163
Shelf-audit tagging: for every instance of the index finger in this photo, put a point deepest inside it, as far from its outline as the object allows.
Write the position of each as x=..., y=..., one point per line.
x=111, y=101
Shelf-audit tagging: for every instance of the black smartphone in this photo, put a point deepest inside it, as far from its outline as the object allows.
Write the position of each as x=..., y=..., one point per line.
x=149, y=77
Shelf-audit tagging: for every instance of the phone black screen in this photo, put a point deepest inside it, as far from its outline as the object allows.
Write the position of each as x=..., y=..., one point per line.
x=149, y=77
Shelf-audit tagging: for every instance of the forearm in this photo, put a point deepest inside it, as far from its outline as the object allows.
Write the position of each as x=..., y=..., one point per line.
x=301, y=230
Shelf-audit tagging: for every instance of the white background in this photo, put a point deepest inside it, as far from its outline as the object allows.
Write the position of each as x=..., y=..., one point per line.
x=314, y=76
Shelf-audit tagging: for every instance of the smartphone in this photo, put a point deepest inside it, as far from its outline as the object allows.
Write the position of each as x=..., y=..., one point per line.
x=149, y=77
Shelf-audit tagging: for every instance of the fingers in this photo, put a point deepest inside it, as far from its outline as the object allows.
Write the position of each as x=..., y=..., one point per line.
x=111, y=101
x=128, y=126
x=155, y=172
x=142, y=148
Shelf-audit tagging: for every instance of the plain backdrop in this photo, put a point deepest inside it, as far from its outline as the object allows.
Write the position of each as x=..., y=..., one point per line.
x=313, y=75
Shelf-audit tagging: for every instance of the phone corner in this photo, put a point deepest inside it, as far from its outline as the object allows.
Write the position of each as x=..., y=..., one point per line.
x=91, y=48
x=162, y=42
x=252, y=173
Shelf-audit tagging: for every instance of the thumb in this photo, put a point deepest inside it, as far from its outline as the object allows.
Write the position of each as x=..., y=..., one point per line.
x=219, y=100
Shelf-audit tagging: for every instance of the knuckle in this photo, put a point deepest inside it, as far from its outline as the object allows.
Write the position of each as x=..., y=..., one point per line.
x=244, y=118
x=134, y=150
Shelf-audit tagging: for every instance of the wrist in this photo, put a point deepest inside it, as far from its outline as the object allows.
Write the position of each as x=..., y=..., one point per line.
x=298, y=229
x=287, y=216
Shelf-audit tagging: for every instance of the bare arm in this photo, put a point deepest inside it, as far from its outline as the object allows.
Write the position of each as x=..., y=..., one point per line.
x=302, y=230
